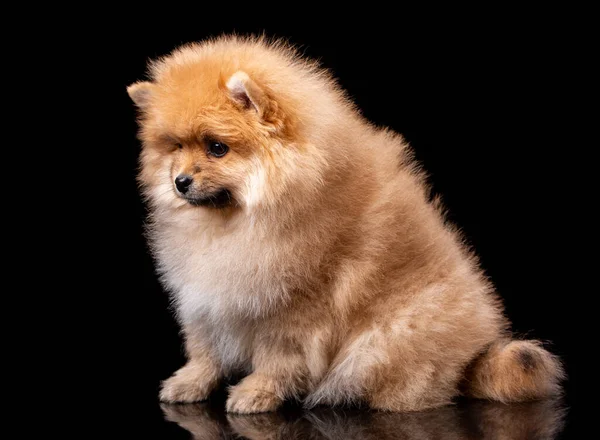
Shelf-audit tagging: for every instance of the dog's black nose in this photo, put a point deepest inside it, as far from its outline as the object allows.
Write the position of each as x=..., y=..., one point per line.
x=183, y=182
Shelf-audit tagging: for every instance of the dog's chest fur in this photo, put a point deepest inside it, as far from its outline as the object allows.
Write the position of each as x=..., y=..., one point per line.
x=217, y=271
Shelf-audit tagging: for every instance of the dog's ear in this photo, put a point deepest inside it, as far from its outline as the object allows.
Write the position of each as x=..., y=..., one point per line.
x=141, y=93
x=246, y=93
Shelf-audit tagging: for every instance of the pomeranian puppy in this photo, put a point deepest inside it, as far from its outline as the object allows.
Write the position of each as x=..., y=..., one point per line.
x=301, y=247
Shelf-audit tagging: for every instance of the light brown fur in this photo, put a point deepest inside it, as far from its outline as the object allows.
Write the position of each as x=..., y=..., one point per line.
x=331, y=277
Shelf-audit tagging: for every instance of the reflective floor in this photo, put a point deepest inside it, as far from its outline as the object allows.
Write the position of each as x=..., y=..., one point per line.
x=466, y=420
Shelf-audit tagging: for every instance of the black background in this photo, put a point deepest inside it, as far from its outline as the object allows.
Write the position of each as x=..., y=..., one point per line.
x=490, y=106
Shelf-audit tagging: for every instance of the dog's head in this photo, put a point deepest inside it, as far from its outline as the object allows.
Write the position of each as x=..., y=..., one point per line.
x=220, y=126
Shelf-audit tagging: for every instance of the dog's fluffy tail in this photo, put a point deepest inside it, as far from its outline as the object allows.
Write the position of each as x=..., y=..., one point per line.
x=512, y=371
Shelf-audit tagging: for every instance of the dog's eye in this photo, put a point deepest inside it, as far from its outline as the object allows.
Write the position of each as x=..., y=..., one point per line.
x=217, y=149
x=179, y=146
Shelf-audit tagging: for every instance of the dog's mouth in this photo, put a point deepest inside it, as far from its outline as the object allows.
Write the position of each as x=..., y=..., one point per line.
x=219, y=199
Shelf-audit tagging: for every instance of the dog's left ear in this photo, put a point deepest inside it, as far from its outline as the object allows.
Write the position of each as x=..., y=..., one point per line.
x=245, y=92
x=249, y=96
x=141, y=93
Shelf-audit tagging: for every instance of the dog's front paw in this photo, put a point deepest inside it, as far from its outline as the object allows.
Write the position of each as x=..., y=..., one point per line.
x=187, y=385
x=252, y=402
x=253, y=395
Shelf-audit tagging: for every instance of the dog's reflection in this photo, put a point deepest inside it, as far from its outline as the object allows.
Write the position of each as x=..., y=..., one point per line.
x=476, y=420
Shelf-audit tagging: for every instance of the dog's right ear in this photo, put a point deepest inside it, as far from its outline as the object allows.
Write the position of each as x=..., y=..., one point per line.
x=141, y=93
